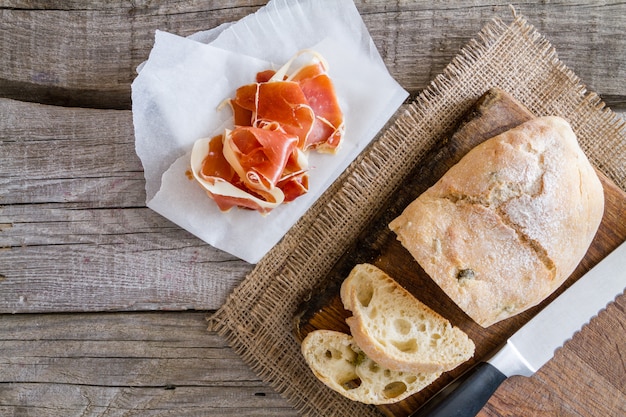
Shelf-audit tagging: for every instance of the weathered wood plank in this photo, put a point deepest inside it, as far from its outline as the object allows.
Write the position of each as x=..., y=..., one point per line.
x=167, y=364
x=68, y=155
x=60, y=258
x=52, y=400
x=86, y=55
x=102, y=260
x=163, y=364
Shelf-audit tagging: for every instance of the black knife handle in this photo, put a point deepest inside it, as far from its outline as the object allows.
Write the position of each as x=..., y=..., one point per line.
x=466, y=395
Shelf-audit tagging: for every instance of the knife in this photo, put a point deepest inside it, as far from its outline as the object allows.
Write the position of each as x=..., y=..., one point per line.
x=534, y=344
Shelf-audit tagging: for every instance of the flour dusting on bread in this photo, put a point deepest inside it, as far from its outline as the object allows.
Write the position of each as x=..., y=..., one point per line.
x=503, y=228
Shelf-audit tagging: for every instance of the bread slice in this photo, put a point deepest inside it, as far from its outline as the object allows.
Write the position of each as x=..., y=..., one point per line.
x=340, y=364
x=504, y=227
x=398, y=331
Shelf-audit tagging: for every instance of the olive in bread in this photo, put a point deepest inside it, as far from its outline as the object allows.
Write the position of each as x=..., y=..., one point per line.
x=340, y=364
x=506, y=225
x=395, y=329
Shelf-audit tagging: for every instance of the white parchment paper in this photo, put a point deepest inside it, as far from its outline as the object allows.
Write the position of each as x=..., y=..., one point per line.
x=178, y=89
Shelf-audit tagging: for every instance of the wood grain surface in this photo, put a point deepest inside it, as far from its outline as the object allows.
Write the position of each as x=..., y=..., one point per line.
x=76, y=237
x=125, y=364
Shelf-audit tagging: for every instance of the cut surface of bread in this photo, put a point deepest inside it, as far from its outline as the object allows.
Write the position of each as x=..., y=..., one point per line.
x=395, y=329
x=339, y=363
x=504, y=227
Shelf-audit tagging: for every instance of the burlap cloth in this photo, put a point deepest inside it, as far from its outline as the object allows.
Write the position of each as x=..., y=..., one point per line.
x=257, y=317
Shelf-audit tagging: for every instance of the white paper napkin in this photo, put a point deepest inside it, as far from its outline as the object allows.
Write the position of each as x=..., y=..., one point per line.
x=178, y=89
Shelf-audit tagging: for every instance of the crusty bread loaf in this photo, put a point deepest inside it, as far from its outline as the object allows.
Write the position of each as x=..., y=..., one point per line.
x=395, y=329
x=339, y=363
x=504, y=227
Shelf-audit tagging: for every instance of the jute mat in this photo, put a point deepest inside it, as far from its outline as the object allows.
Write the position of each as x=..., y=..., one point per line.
x=257, y=317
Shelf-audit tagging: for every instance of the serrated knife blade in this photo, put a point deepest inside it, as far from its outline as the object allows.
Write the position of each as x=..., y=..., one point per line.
x=535, y=343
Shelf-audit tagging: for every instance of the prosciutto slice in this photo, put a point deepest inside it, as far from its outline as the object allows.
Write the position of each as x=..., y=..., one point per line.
x=262, y=162
x=278, y=105
x=259, y=156
x=317, y=87
x=221, y=181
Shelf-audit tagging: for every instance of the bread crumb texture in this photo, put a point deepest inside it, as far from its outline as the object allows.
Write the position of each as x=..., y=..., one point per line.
x=398, y=331
x=504, y=227
x=340, y=364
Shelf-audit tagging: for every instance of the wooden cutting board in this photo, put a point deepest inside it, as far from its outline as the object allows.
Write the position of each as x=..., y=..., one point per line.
x=495, y=112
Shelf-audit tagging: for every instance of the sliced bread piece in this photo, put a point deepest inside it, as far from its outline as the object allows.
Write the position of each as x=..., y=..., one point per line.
x=398, y=331
x=339, y=363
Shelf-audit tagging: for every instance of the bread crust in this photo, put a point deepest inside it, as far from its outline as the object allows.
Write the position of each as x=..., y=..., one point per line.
x=503, y=228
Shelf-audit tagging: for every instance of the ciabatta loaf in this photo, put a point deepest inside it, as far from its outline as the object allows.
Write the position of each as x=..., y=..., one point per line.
x=503, y=228
x=395, y=329
x=339, y=363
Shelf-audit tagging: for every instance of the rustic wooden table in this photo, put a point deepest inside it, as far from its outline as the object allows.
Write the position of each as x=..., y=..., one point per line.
x=103, y=302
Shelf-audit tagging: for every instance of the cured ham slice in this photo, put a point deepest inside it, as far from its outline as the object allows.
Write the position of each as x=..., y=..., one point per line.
x=221, y=182
x=259, y=156
x=262, y=162
x=294, y=186
x=280, y=105
x=264, y=76
x=328, y=128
